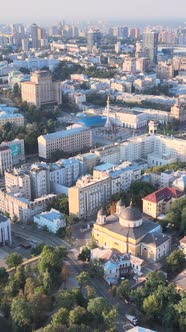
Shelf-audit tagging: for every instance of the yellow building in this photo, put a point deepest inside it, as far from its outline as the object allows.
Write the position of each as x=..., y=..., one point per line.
x=127, y=232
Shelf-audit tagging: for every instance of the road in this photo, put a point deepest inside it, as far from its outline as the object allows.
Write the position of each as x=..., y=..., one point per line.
x=36, y=236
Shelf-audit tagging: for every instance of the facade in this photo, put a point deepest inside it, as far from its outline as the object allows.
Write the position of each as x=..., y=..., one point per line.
x=127, y=232
x=41, y=90
x=159, y=202
x=34, y=35
x=178, y=111
x=8, y=114
x=165, y=71
x=40, y=181
x=150, y=44
x=183, y=244
x=5, y=231
x=69, y=141
x=127, y=118
x=93, y=39
x=53, y=220
x=88, y=195
x=65, y=172
x=21, y=208
x=18, y=181
x=5, y=159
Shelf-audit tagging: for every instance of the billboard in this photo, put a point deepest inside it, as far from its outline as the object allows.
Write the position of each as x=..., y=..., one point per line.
x=15, y=149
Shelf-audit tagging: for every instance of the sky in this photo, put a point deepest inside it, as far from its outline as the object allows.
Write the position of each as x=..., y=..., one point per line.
x=51, y=10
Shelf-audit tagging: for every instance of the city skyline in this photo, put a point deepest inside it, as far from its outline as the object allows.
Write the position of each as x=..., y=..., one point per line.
x=137, y=10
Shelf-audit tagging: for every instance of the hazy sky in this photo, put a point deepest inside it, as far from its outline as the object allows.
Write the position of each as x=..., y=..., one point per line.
x=42, y=10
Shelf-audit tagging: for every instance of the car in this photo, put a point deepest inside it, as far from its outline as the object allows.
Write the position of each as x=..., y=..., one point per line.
x=122, y=278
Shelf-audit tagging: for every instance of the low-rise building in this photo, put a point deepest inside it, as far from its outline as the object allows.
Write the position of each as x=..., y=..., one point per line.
x=52, y=219
x=159, y=202
x=11, y=115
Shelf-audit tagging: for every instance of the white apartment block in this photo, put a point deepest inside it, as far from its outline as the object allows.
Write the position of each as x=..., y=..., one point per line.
x=88, y=195
x=21, y=208
x=41, y=90
x=40, y=180
x=52, y=219
x=5, y=231
x=18, y=181
x=65, y=172
x=5, y=159
x=69, y=141
x=8, y=114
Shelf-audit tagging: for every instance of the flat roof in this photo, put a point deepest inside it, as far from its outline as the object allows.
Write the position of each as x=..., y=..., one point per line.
x=64, y=133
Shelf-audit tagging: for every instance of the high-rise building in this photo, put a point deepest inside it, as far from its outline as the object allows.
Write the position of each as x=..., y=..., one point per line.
x=150, y=44
x=41, y=90
x=34, y=34
x=93, y=39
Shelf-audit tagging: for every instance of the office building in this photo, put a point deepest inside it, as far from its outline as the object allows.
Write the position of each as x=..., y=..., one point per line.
x=150, y=44
x=88, y=195
x=5, y=231
x=34, y=35
x=93, y=39
x=52, y=219
x=41, y=90
x=69, y=141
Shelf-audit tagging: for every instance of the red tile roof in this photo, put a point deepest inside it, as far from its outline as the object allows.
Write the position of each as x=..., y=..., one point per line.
x=163, y=194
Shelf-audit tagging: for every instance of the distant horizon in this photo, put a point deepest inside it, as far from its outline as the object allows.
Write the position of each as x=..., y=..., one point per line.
x=47, y=12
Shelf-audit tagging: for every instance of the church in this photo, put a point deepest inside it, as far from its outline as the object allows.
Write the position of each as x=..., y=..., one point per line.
x=127, y=232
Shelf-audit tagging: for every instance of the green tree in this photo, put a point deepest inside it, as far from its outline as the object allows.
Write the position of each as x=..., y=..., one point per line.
x=180, y=313
x=20, y=312
x=83, y=279
x=151, y=307
x=175, y=262
x=65, y=299
x=154, y=279
x=77, y=316
x=124, y=290
x=60, y=317
x=84, y=254
x=97, y=306
x=138, y=190
x=3, y=276
x=13, y=260
x=38, y=249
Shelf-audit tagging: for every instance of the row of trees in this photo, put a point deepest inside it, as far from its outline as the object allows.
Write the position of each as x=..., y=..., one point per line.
x=176, y=218
x=26, y=295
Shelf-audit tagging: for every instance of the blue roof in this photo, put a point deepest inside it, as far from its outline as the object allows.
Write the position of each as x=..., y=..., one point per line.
x=122, y=170
x=104, y=167
x=50, y=215
x=63, y=133
x=92, y=121
x=7, y=112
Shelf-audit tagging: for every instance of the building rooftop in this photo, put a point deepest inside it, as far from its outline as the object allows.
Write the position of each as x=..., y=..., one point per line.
x=155, y=239
x=104, y=167
x=51, y=215
x=163, y=194
x=113, y=225
x=63, y=133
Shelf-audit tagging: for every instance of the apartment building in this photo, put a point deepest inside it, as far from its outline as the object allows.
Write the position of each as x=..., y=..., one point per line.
x=65, y=172
x=88, y=195
x=9, y=114
x=21, y=208
x=5, y=231
x=159, y=202
x=40, y=180
x=69, y=141
x=5, y=159
x=18, y=181
x=41, y=90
